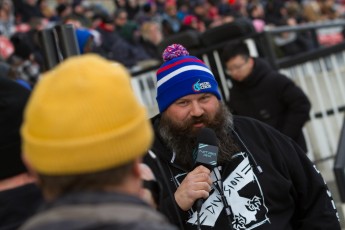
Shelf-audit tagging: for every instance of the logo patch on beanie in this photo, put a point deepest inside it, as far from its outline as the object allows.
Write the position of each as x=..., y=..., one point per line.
x=197, y=86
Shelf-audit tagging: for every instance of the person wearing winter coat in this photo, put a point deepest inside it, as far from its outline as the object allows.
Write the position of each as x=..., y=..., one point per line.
x=260, y=92
x=243, y=174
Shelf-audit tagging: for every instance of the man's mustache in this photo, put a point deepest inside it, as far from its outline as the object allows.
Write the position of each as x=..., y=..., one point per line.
x=201, y=119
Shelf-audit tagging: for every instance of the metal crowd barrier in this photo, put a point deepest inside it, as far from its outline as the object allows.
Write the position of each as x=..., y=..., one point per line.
x=323, y=81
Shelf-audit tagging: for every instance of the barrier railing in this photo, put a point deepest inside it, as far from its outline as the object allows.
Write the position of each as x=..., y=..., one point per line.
x=322, y=80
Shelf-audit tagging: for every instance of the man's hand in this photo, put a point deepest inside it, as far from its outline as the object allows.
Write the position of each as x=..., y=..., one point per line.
x=197, y=184
x=145, y=194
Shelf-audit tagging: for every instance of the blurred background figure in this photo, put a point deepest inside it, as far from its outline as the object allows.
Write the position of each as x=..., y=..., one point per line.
x=26, y=9
x=114, y=47
x=170, y=22
x=127, y=29
x=19, y=195
x=7, y=19
x=191, y=22
x=151, y=37
x=148, y=12
x=320, y=10
x=85, y=40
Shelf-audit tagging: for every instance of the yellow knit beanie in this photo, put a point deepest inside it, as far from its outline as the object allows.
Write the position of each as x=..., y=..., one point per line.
x=83, y=117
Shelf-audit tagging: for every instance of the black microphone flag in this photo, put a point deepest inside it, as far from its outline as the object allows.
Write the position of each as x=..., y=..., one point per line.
x=207, y=149
x=206, y=155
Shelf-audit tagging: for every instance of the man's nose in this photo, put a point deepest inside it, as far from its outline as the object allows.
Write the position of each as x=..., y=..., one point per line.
x=196, y=109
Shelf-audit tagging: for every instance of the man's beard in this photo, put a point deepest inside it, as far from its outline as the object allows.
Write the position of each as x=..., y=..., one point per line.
x=181, y=138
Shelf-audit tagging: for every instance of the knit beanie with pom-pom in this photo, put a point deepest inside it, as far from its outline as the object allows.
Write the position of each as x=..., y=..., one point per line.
x=181, y=75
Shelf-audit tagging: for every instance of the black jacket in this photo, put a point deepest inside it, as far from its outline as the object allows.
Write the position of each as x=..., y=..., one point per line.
x=114, y=47
x=289, y=193
x=272, y=98
x=18, y=204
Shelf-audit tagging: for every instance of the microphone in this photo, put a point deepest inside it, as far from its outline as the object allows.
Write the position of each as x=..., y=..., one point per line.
x=206, y=154
x=207, y=151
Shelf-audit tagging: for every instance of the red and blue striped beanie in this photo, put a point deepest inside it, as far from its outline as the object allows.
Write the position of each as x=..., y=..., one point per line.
x=181, y=75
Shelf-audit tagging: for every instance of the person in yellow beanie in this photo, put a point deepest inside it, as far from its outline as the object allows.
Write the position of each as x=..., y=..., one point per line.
x=84, y=134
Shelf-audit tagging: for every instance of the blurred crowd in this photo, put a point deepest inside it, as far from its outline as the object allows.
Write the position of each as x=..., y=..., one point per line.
x=132, y=32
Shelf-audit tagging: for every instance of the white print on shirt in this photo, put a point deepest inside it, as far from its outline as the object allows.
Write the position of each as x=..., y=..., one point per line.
x=247, y=212
x=244, y=195
x=329, y=195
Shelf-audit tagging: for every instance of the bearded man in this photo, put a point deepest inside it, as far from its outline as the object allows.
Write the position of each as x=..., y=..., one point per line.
x=263, y=179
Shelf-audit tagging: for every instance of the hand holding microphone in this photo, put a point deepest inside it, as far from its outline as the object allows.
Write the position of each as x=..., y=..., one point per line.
x=197, y=184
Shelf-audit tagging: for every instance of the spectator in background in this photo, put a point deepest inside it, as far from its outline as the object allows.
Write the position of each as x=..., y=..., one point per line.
x=212, y=10
x=9, y=72
x=320, y=10
x=200, y=10
x=241, y=6
x=294, y=10
x=79, y=10
x=91, y=174
x=7, y=20
x=19, y=195
x=88, y=38
x=170, y=22
x=24, y=59
x=130, y=6
x=151, y=37
x=256, y=13
x=114, y=47
x=27, y=9
x=190, y=22
x=28, y=56
x=183, y=9
x=160, y=6
x=148, y=12
x=127, y=29
x=62, y=11
x=292, y=43
x=275, y=13
x=73, y=20
x=85, y=40
x=260, y=92
x=225, y=8
x=329, y=10
x=120, y=4
x=280, y=13
x=46, y=10
x=223, y=19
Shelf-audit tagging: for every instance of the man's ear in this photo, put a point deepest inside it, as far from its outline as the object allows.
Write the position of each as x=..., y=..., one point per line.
x=146, y=172
x=251, y=62
x=137, y=168
x=30, y=169
x=142, y=170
